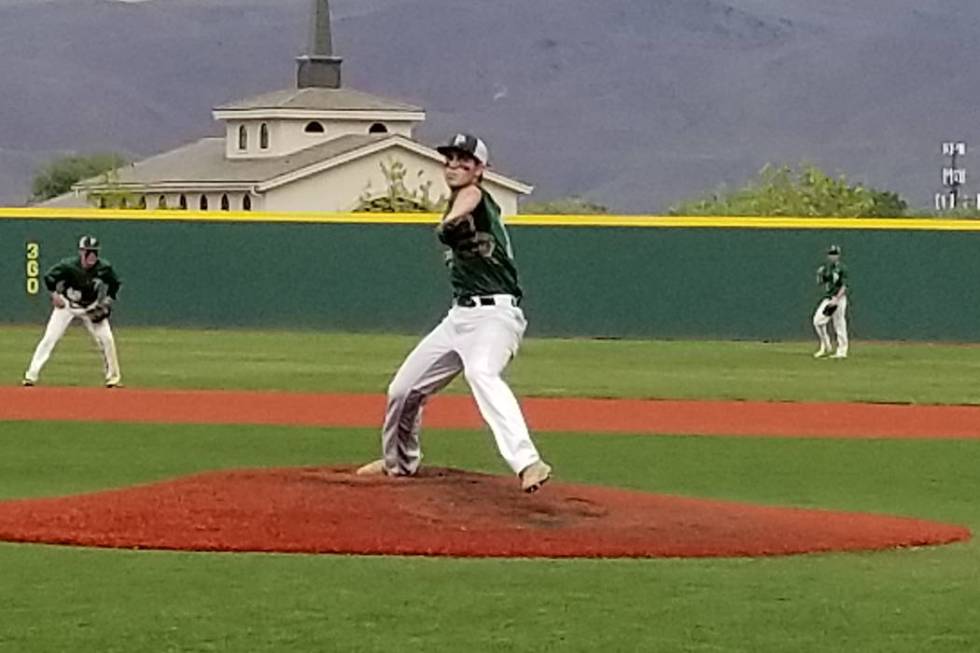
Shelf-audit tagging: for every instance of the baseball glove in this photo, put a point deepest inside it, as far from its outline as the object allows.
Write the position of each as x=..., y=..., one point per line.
x=459, y=234
x=98, y=312
x=829, y=309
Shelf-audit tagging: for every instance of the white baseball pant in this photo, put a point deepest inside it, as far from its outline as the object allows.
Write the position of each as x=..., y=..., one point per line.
x=479, y=342
x=839, y=319
x=101, y=332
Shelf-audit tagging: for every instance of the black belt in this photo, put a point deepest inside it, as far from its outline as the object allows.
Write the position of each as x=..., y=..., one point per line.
x=488, y=300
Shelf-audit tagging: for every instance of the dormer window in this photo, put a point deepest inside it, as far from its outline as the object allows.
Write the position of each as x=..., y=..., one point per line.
x=378, y=128
x=314, y=127
x=242, y=138
x=264, y=137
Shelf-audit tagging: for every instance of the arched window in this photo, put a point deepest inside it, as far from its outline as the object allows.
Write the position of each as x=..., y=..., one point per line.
x=203, y=204
x=242, y=138
x=102, y=202
x=183, y=202
x=264, y=136
x=247, y=203
x=162, y=202
x=142, y=202
x=122, y=203
x=314, y=127
x=225, y=204
x=378, y=128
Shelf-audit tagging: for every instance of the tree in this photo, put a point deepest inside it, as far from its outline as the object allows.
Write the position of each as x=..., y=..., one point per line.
x=573, y=205
x=58, y=176
x=397, y=197
x=806, y=192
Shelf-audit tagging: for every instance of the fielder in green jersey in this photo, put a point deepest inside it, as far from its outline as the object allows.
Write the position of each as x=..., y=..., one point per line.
x=82, y=287
x=478, y=337
x=832, y=276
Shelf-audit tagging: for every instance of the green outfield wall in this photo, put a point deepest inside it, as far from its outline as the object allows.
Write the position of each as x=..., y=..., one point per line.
x=584, y=276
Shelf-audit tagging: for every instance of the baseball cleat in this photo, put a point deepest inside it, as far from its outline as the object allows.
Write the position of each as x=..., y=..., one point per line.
x=114, y=383
x=534, y=476
x=839, y=355
x=27, y=383
x=375, y=468
x=820, y=353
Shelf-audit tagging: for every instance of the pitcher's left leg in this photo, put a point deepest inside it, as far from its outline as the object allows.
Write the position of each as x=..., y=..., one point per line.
x=486, y=351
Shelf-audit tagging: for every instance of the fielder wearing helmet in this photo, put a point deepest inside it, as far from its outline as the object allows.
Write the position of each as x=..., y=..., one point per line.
x=832, y=276
x=84, y=288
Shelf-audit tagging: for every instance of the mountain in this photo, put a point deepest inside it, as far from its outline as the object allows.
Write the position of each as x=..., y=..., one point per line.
x=631, y=103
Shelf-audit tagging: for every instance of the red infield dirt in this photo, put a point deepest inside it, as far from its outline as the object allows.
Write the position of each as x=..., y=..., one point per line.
x=806, y=420
x=450, y=512
x=441, y=512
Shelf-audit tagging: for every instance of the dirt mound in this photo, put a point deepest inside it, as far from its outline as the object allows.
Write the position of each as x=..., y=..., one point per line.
x=441, y=512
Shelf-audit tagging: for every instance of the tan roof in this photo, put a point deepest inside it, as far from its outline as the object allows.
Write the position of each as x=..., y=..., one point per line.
x=204, y=161
x=319, y=99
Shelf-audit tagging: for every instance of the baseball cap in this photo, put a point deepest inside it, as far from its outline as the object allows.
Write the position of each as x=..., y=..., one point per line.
x=834, y=249
x=467, y=144
x=89, y=243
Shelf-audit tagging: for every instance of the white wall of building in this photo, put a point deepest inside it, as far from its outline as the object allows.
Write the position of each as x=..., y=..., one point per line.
x=236, y=201
x=287, y=136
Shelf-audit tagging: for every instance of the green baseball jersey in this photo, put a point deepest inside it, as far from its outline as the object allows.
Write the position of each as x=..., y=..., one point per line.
x=833, y=276
x=80, y=286
x=490, y=270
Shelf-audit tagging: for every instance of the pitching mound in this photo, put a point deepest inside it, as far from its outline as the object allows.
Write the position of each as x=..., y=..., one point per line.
x=441, y=512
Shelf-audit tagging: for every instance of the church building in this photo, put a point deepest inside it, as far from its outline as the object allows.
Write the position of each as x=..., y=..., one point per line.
x=316, y=147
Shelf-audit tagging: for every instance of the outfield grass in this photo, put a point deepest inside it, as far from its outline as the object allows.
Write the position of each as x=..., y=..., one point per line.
x=61, y=599
x=311, y=361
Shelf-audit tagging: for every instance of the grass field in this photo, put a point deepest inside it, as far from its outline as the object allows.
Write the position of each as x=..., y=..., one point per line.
x=58, y=599
x=311, y=361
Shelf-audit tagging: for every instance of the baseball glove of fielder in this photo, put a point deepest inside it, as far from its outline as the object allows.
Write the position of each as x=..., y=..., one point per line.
x=98, y=312
x=829, y=309
x=459, y=234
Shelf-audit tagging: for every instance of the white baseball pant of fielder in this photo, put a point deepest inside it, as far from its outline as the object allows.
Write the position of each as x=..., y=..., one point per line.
x=478, y=341
x=839, y=319
x=60, y=319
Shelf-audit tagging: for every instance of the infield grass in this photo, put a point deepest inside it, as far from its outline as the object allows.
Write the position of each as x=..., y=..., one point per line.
x=336, y=362
x=58, y=599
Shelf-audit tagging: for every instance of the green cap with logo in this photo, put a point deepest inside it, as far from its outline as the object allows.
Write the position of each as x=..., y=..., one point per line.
x=89, y=244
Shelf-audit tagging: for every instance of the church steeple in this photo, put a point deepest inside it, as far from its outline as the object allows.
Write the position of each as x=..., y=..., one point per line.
x=319, y=68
